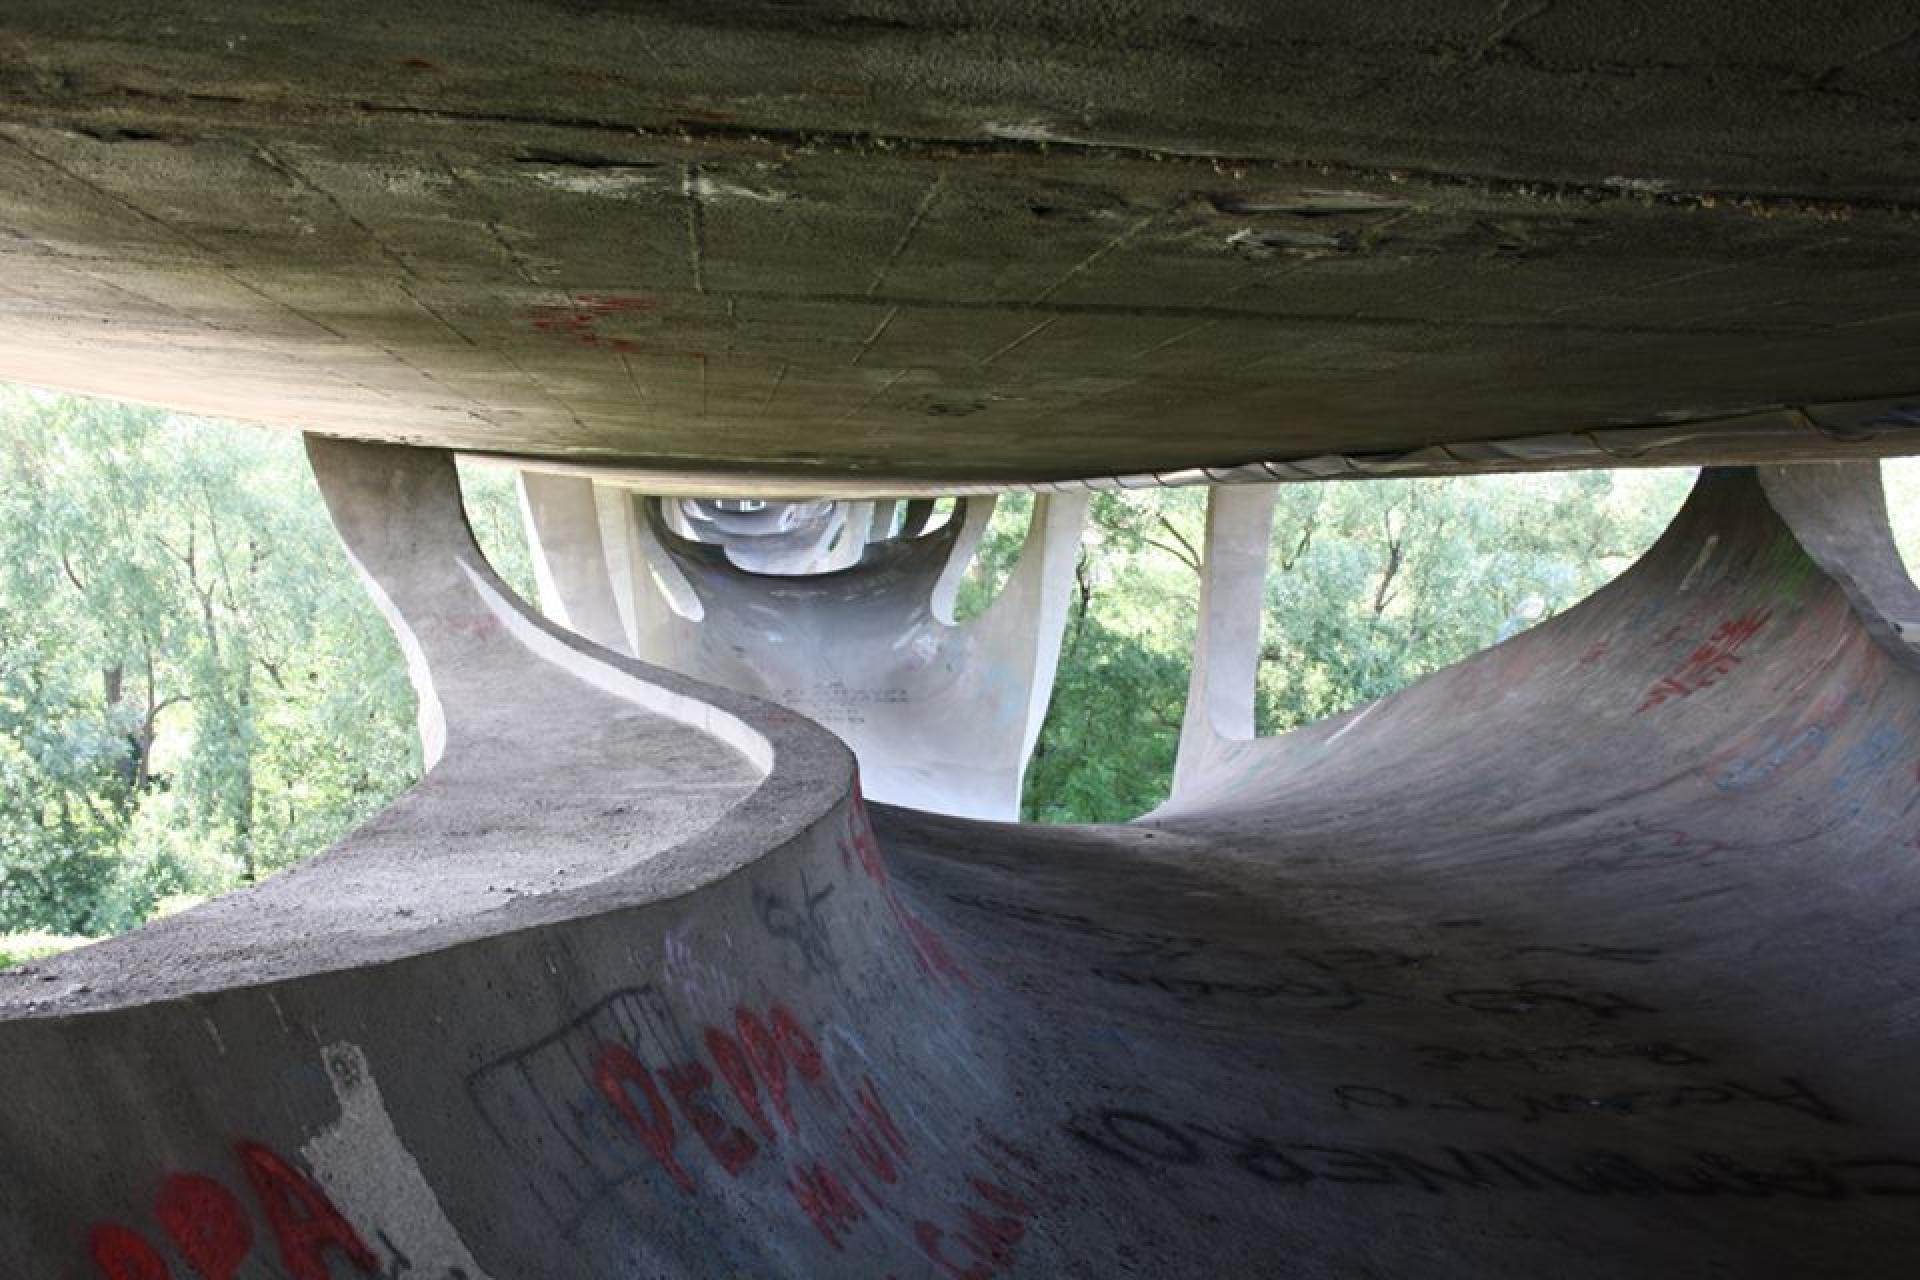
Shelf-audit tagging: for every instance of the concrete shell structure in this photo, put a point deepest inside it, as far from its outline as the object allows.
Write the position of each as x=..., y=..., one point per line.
x=1566, y=934
x=854, y=630
x=1593, y=955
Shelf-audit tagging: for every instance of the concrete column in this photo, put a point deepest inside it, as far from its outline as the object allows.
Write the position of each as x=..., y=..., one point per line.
x=918, y=515
x=1023, y=627
x=972, y=519
x=1226, y=642
x=1838, y=511
x=569, y=559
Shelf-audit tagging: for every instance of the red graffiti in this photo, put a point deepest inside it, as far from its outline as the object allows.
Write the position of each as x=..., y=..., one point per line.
x=826, y=1202
x=737, y=1070
x=120, y=1254
x=763, y=1051
x=580, y=318
x=873, y=1135
x=207, y=1224
x=1709, y=663
x=796, y=1044
x=304, y=1221
x=836, y=1191
x=617, y=1069
x=989, y=1238
x=210, y=1228
x=731, y=1146
x=760, y=1057
x=929, y=949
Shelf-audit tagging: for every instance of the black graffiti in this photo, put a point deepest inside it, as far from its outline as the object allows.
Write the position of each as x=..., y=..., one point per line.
x=574, y=1155
x=1590, y=951
x=1335, y=994
x=801, y=926
x=1659, y=1052
x=1791, y=1094
x=1330, y=959
x=1140, y=942
x=1549, y=992
x=1649, y=851
x=1148, y=1143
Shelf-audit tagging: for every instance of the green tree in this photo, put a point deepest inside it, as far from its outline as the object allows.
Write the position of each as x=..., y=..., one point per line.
x=1370, y=585
x=193, y=689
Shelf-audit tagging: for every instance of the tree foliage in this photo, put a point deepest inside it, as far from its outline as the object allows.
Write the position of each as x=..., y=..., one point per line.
x=1370, y=585
x=194, y=690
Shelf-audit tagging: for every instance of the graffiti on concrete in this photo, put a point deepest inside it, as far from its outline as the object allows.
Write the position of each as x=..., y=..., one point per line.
x=210, y=1230
x=1152, y=1143
x=1708, y=664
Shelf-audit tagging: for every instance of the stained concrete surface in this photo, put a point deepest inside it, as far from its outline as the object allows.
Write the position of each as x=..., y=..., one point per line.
x=1589, y=956
x=880, y=248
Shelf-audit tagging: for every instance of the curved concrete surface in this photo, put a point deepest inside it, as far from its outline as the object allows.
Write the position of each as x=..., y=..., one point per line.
x=856, y=632
x=1591, y=956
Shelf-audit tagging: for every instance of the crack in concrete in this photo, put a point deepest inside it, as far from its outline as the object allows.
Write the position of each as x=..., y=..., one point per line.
x=788, y=139
x=696, y=226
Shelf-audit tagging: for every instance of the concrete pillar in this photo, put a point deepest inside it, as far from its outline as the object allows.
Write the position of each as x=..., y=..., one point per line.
x=969, y=525
x=569, y=560
x=918, y=515
x=1022, y=630
x=1226, y=642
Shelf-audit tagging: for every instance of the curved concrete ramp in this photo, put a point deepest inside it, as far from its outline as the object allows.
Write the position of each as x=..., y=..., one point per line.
x=1593, y=956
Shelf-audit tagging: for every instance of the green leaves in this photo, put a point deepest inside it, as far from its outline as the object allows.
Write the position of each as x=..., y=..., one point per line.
x=193, y=688
x=1370, y=585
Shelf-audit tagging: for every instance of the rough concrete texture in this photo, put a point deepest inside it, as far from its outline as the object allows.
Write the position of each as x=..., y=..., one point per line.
x=882, y=247
x=942, y=715
x=1591, y=956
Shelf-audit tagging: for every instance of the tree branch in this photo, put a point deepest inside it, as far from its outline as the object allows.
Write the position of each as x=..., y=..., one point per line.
x=72, y=577
x=1384, y=596
x=1192, y=556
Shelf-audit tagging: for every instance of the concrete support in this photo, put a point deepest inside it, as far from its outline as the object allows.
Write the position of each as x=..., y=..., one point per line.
x=1021, y=631
x=828, y=609
x=569, y=560
x=1226, y=642
x=916, y=518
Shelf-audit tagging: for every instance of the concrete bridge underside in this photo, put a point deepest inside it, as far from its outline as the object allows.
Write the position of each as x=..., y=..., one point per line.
x=881, y=247
x=1593, y=955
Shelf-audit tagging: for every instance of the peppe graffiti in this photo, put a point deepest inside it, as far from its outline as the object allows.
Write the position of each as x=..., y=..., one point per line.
x=755, y=1098
x=850, y=1160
